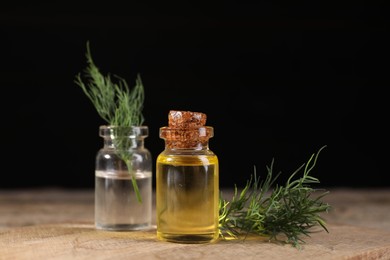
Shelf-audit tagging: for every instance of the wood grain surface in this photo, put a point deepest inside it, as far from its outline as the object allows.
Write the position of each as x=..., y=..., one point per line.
x=58, y=224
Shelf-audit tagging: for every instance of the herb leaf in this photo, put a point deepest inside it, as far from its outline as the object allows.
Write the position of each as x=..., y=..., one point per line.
x=115, y=103
x=291, y=210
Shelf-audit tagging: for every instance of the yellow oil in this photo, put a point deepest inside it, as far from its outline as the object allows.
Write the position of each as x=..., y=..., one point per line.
x=187, y=195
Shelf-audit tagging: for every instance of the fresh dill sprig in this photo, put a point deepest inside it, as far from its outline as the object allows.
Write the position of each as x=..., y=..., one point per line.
x=116, y=103
x=291, y=210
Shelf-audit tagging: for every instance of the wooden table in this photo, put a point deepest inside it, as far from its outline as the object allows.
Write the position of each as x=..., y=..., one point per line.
x=58, y=224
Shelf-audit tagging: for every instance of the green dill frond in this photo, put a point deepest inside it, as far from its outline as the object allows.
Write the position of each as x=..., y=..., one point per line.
x=289, y=211
x=115, y=102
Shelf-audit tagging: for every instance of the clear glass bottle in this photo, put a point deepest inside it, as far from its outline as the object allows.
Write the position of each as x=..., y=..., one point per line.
x=122, y=160
x=187, y=186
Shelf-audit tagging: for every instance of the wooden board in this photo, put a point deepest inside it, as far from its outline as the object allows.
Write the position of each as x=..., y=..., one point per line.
x=82, y=241
x=58, y=224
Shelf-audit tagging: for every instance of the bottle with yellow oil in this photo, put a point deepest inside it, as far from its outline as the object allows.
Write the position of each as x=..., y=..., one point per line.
x=187, y=181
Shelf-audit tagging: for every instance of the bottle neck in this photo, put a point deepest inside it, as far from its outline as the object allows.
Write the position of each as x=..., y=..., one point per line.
x=123, y=138
x=186, y=138
x=124, y=143
x=173, y=145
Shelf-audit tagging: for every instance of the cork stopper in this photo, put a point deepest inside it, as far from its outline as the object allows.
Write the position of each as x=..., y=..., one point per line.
x=186, y=129
x=186, y=119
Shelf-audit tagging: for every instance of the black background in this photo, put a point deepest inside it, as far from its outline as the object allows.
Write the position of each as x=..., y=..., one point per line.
x=276, y=81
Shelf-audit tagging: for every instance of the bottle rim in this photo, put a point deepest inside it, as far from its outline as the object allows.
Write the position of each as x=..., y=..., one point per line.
x=129, y=131
x=167, y=132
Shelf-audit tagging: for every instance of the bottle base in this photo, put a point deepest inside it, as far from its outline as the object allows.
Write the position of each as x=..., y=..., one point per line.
x=123, y=227
x=188, y=238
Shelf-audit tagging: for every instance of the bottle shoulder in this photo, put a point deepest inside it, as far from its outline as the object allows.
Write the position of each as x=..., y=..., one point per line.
x=187, y=157
x=107, y=154
x=187, y=152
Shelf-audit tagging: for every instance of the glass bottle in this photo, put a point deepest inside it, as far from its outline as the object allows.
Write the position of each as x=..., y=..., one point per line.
x=187, y=186
x=122, y=160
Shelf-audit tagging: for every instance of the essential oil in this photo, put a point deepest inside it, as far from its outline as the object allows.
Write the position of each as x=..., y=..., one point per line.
x=187, y=185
